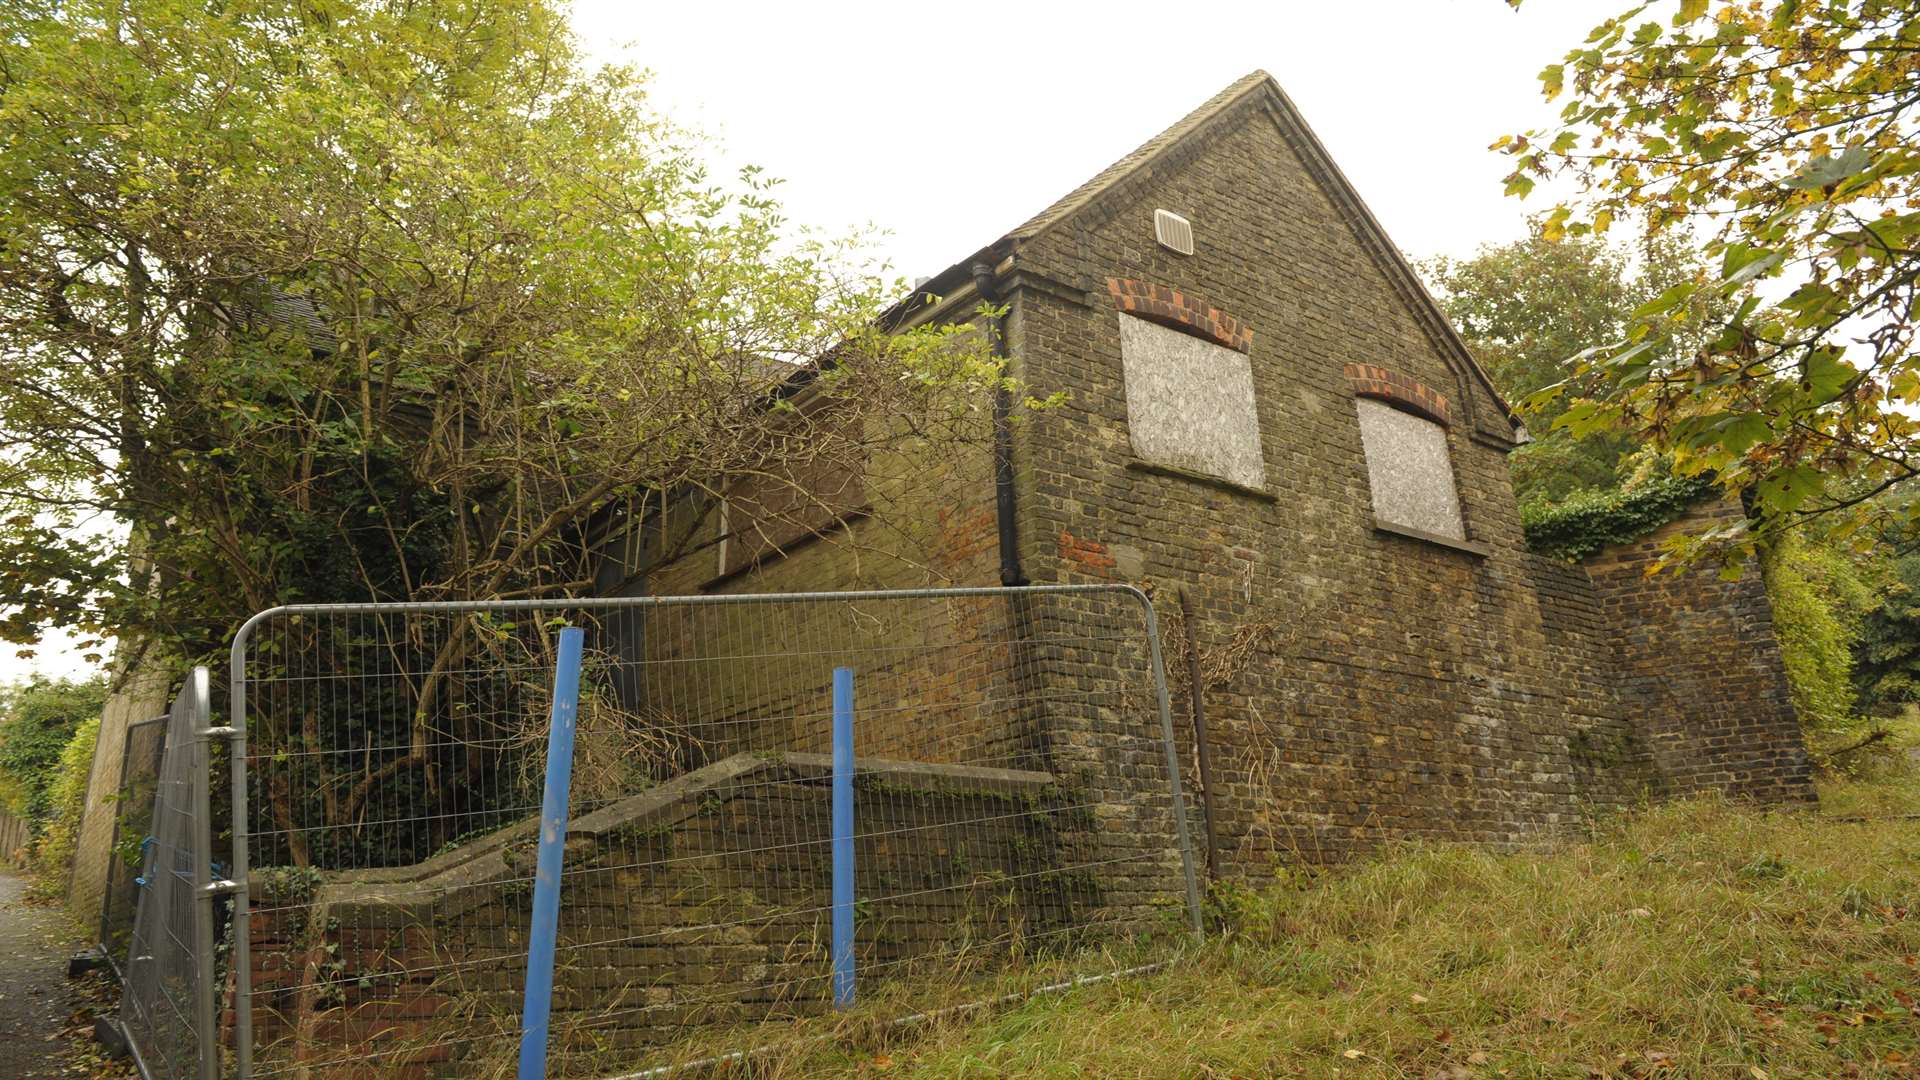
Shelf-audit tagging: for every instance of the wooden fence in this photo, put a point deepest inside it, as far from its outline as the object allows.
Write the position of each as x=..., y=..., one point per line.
x=15, y=838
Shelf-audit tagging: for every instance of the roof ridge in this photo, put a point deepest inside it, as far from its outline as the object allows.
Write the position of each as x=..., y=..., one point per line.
x=1142, y=154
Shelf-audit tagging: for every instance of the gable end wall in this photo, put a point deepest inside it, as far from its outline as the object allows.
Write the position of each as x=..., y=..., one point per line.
x=1376, y=686
x=1370, y=685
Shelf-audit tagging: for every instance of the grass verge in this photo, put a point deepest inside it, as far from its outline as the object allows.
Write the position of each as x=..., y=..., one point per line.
x=1694, y=939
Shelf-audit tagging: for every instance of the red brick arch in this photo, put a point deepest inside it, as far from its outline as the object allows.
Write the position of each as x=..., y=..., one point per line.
x=1171, y=307
x=1373, y=381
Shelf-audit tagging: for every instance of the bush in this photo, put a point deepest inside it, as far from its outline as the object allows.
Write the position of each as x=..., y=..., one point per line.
x=1818, y=597
x=1886, y=672
x=66, y=800
x=37, y=721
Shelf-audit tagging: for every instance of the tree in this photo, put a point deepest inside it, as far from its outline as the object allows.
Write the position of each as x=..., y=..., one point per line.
x=38, y=719
x=384, y=300
x=1886, y=670
x=1526, y=309
x=1782, y=133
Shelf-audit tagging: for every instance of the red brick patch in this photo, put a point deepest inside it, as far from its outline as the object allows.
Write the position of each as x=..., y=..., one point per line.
x=1171, y=307
x=964, y=534
x=1371, y=380
x=1087, y=556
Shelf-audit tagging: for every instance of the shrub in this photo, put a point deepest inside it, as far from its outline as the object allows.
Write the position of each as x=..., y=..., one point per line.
x=37, y=722
x=1818, y=598
x=66, y=798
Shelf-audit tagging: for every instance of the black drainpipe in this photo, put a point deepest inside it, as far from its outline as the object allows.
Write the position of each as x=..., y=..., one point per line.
x=1010, y=570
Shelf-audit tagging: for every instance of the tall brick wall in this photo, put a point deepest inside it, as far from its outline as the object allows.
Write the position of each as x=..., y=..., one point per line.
x=1699, y=661
x=142, y=695
x=1606, y=739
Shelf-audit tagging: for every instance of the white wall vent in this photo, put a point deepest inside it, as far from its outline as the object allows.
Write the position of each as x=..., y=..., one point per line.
x=1174, y=232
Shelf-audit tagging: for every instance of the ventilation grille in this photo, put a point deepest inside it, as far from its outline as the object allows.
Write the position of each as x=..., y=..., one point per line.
x=1174, y=232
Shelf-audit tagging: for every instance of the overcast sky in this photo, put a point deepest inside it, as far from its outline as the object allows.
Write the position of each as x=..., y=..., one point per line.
x=948, y=125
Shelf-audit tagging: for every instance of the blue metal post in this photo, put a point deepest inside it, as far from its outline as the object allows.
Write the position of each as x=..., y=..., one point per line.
x=543, y=934
x=842, y=838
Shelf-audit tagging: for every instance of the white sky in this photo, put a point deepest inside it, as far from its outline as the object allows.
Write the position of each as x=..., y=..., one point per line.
x=948, y=125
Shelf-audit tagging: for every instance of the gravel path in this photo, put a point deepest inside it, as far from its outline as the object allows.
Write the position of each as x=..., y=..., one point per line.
x=34, y=944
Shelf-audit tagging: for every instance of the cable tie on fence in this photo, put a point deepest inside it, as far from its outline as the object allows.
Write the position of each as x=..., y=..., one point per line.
x=146, y=848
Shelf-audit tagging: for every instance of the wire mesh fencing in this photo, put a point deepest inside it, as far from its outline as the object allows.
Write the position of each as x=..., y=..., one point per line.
x=1015, y=794
x=132, y=825
x=167, y=997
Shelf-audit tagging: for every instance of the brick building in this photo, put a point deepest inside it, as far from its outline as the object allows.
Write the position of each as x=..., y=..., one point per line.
x=1267, y=412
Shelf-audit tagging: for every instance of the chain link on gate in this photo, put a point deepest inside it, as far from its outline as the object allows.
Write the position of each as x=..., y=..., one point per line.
x=1016, y=820
x=168, y=994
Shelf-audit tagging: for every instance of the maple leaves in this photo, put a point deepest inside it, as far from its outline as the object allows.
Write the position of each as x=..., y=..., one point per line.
x=1783, y=136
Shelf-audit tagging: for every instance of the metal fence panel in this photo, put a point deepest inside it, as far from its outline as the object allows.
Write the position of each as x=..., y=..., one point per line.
x=1017, y=819
x=132, y=824
x=167, y=999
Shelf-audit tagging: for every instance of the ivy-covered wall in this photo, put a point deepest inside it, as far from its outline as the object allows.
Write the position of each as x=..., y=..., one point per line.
x=1581, y=526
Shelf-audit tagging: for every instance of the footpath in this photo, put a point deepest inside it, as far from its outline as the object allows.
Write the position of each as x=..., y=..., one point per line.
x=34, y=944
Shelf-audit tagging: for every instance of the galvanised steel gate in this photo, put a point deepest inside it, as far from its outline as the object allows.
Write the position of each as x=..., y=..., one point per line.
x=167, y=996
x=1015, y=821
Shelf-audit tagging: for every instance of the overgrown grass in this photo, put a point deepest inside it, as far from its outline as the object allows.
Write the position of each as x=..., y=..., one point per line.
x=1693, y=939
x=1881, y=781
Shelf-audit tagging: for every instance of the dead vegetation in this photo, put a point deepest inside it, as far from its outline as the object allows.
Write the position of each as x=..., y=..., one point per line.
x=1697, y=939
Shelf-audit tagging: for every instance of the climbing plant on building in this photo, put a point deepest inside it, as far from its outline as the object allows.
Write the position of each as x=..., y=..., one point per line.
x=1782, y=134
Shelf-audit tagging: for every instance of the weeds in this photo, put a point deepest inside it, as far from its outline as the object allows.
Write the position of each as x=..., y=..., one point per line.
x=1692, y=939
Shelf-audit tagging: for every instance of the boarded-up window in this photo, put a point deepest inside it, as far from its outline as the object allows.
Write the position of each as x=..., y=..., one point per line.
x=1409, y=470
x=1190, y=403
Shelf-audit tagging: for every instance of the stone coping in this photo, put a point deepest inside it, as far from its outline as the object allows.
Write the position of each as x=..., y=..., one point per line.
x=403, y=895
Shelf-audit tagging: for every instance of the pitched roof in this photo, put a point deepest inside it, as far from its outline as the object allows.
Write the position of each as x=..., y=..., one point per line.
x=1142, y=155
x=1391, y=261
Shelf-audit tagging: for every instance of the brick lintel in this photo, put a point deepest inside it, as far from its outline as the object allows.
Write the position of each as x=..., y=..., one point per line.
x=1374, y=381
x=1173, y=308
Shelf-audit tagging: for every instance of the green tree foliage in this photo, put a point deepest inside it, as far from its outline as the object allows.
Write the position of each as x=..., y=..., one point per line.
x=1887, y=658
x=1528, y=310
x=38, y=719
x=322, y=300
x=1783, y=132
x=368, y=299
x=1820, y=597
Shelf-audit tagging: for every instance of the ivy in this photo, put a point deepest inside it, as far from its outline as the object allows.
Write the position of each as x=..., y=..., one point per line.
x=1584, y=524
x=37, y=720
x=1818, y=597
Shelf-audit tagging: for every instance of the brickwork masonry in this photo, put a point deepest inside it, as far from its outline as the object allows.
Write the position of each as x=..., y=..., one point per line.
x=677, y=913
